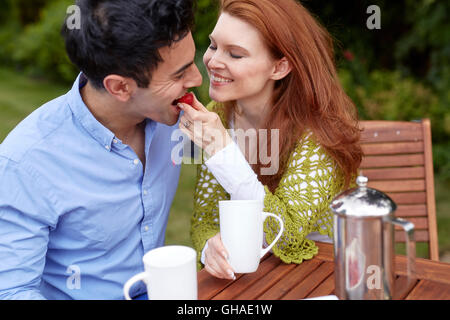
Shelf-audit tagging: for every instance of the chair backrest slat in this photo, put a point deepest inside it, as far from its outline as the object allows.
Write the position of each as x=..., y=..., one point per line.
x=397, y=160
x=395, y=173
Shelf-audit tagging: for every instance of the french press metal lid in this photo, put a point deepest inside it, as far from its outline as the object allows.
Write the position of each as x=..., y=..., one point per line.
x=363, y=201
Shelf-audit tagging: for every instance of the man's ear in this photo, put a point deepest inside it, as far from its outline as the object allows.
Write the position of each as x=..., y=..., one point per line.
x=282, y=69
x=119, y=87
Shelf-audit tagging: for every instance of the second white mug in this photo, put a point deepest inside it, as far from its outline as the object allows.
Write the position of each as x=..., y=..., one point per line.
x=170, y=274
x=241, y=230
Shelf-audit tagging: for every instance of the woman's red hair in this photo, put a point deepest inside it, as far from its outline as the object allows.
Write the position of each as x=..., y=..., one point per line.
x=311, y=96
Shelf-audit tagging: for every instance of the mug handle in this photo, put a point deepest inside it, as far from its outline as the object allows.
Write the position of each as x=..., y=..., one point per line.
x=126, y=288
x=265, y=216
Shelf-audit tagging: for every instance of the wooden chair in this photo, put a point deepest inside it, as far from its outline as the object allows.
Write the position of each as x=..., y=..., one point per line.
x=398, y=161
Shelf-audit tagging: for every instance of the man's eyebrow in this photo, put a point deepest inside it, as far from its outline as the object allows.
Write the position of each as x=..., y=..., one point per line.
x=187, y=65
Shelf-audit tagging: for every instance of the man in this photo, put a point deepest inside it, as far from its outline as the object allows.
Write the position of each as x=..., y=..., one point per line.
x=87, y=180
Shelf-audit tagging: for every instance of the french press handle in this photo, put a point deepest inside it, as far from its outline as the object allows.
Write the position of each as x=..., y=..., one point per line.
x=408, y=228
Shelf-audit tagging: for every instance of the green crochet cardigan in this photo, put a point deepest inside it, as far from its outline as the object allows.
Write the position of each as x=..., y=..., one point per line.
x=302, y=198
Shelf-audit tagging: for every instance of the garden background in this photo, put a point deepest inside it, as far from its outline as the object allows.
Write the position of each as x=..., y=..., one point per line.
x=398, y=72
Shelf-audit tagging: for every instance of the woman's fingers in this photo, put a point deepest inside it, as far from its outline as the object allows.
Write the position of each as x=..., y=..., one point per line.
x=216, y=258
x=218, y=266
x=207, y=129
x=184, y=128
x=213, y=271
x=192, y=113
x=217, y=244
x=197, y=133
x=198, y=105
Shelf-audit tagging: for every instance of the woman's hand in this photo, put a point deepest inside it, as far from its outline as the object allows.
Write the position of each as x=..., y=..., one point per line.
x=216, y=259
x=203, y=127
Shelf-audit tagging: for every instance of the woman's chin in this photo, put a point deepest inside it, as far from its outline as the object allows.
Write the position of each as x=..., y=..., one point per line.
x=217, y=97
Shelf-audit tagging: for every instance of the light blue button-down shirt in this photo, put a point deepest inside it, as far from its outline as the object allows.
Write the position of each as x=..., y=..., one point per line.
x=77, y=210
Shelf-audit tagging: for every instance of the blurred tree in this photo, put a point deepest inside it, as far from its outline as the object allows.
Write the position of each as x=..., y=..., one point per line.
x=414, y=38
x=427, y=42
x=401, y=71
x=28, y=10
x=206, y=17
x=28, y=49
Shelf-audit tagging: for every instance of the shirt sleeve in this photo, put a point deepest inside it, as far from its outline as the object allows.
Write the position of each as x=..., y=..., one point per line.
x=235, y=175
x=202, y=257
x=25, y=220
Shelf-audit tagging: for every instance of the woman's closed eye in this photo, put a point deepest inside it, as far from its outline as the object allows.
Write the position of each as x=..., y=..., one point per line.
x=234, y=56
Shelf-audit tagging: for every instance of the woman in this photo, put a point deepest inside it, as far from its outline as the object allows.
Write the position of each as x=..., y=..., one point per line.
x=271, y=67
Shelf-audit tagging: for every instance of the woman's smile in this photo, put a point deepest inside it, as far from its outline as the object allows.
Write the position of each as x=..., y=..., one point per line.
x=218, y=80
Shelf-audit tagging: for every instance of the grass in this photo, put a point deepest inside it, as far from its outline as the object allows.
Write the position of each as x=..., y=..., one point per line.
x=443, y=214
x=182, y=208
x=20, y=95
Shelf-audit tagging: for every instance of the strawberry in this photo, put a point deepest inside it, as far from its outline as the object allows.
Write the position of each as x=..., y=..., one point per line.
x=188, y=98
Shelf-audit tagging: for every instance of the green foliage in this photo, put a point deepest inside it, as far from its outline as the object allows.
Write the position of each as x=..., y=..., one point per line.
x=387, y=95
x=413, y=37
x=28, y=49
x=429, y=36
x=202, y=92
x=9, y=29
x=400, y=72
x=30, y=37
x=441, y=160
x=206, y=17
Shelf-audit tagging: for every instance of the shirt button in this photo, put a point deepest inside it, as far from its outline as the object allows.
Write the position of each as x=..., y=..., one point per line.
x=145, y=192
x=146, y=228
x=136, y=161
x=107, y=147
x=115, y=141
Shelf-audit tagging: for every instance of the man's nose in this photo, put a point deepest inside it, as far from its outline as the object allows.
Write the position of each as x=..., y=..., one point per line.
x=195, y=78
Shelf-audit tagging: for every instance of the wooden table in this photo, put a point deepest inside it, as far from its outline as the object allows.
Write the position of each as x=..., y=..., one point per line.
x=275, y=280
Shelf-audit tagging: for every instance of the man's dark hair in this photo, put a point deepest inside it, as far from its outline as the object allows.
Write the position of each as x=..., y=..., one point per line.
x=123, y=36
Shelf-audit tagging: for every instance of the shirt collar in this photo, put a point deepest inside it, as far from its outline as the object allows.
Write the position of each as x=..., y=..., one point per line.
x=99, y=132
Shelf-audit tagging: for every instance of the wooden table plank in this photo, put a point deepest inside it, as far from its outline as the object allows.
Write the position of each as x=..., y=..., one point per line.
x=402, y=287
x=315, y=277
x=209, y=286
x=430, y=290
x=258, y=288
x=425, y=269
x=248, y=279
x=326, y=251
x=302, y=289
x=326, y=288
x=295, y=276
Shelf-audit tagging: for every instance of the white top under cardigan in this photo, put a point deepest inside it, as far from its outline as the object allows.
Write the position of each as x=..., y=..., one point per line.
x=235, y=175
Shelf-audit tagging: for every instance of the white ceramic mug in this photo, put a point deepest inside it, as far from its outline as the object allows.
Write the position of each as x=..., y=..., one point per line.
x=170, y=274
x=241, y=230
